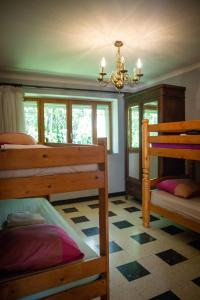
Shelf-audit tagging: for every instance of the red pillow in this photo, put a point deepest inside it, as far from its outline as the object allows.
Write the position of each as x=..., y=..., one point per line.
x=185, y=188
x=35, y=247
x=17, y=138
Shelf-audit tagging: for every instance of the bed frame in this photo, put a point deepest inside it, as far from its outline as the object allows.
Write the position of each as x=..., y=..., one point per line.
x=171, y=135
x=28, y=284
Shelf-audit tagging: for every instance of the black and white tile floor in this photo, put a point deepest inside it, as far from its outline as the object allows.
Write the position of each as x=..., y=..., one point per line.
x=160, y=262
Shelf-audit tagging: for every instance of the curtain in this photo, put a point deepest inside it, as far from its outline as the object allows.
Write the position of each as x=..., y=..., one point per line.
x=11, y=109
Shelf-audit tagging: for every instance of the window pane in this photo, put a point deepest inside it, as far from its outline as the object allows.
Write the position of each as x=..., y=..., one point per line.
x=81, y=124
x=31, y=118
x=103, y=129
x=55, y=122
x=133, y=115
x=151, y=113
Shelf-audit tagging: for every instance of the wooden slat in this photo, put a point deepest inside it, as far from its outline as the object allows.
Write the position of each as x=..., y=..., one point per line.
x=175, y=126
x=84, y=292
x=180, y=219
x=30, y=284
x=47, y=185
x=176, y=153
x=50, y=157
x=178, y=139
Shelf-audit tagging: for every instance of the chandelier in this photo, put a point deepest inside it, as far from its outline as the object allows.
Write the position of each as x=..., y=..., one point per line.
x=120, y=76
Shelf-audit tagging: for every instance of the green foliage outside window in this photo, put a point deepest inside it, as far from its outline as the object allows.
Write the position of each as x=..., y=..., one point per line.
x=31, y=119
x=55, y=123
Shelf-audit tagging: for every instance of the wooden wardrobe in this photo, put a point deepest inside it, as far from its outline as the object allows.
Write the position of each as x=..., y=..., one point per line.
x=161, y=103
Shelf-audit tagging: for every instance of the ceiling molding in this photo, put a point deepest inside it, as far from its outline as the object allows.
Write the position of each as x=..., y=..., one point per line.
x=16, y=77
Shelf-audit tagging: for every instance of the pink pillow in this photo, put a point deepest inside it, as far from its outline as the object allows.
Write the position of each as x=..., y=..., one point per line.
x=17, y=138
x=185, y=188
x=35, y=247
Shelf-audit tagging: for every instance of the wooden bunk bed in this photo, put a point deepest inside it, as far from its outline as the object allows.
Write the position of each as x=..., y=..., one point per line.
x=176, y=141
x=36, y=186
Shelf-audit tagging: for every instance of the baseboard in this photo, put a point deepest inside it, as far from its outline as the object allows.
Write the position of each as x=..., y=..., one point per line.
x=84, y=199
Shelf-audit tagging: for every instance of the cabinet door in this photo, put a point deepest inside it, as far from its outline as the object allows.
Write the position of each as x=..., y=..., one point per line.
x=150, y=112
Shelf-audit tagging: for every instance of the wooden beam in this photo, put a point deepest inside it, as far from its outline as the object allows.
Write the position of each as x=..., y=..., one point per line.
x=50, y=157
x=177, y=139
x=47, y=185
x=30, y=284
x=176, y=153
x=83, y=292
x=175, y=126
x=179, y=219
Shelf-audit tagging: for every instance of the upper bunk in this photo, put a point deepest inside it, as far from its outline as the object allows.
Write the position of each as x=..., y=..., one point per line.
x=174, y=139
x=49, y=158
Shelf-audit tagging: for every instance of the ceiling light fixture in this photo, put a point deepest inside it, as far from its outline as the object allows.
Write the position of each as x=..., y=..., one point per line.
x=120, y=76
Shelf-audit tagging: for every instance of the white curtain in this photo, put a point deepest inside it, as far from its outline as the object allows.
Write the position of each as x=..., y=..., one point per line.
x=11, y=109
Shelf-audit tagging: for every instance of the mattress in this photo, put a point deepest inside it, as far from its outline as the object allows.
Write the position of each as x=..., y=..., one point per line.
x=42, y=171
x=41, y=205
x=176, y=146
x=190, y=208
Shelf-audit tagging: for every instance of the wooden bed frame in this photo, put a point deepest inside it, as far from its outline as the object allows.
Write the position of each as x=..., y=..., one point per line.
x=28, y=284
x=172, y=135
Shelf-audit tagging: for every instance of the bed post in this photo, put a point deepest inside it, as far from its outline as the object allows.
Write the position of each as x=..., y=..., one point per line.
x=103, y=219
x=145, y=177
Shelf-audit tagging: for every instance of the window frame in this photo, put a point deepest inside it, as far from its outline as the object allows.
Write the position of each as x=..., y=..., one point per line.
x=141, y=106
x=69, y=103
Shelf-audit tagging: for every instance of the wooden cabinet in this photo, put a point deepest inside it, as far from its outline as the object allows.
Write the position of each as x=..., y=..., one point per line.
x=161, y=103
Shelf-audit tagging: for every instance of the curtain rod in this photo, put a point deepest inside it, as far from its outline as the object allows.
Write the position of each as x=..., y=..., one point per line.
x=57, y=88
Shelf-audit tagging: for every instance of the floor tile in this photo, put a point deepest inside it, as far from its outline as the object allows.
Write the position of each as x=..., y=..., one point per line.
x=113, y=247
x=132, y=271
x=171, y=229
x=195, y=244
x=143, y=238
x=197, y=281
x=80, y=219
x=111, y=214
x=70, y=210
x=169, y=295
x=171, y=257
x=123, y=224
x=132, y=209
x=152, y=218
x=91, y=231
x=96, y=205
x=117, y=202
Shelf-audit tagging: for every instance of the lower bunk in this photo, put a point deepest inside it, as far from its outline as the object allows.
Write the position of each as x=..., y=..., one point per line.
x=185, y=212
x=56, y=282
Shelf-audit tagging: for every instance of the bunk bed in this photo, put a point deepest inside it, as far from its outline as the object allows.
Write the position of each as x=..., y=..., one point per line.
x=85, y=278
x=177, y=140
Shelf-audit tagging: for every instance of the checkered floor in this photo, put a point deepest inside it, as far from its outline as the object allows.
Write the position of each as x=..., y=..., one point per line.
x=161, y=262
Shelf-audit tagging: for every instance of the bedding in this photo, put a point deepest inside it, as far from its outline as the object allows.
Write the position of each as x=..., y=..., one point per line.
x=42, y=171
x=35, y=247
x=176, y=146
x=51, y=216
x=188, y=208
x=185, y=188
x=23, y=219
x=17, y=138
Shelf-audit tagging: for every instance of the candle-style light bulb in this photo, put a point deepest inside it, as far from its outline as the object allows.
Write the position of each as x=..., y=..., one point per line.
x=103, y=62
x=139, y=63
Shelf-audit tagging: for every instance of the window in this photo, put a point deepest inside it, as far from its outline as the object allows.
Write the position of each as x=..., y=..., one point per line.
x=31, y=119
x=68, y=121
x=137, y=111
x=81, y=124
x=134, y=122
